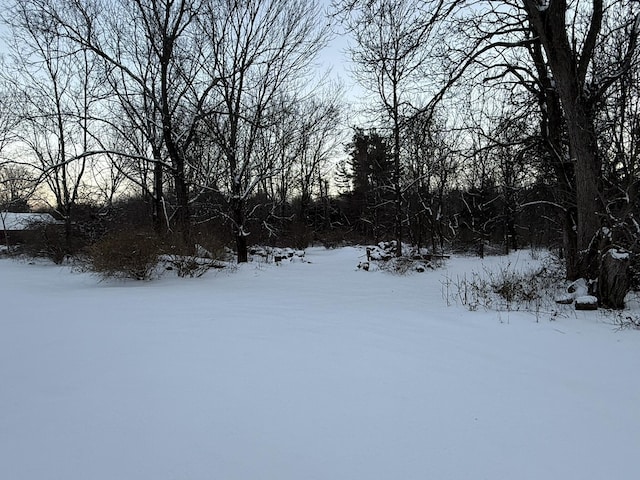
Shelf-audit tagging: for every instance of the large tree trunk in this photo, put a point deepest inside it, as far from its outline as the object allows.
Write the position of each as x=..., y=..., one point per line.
x=613, y=281
x=569, y=69
x=570, y=243
x=584, y=149
x=552, y=126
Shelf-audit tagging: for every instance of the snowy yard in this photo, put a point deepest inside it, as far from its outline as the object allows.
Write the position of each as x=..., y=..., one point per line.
x=305, y=371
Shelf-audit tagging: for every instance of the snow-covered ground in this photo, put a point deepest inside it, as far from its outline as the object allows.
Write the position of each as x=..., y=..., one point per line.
x=305, y=371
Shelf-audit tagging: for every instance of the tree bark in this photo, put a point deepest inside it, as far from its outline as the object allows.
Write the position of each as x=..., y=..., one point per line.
x=569, y=70
x=240, y=234
x=613, y=281
x=552, y=126
x=157, y=212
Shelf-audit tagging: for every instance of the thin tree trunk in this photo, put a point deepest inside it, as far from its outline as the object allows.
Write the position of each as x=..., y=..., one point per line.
x=237, y=208
x=158, y=211
x=397, y=171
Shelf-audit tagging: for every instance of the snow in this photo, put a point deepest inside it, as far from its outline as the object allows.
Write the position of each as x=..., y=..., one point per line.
x=587, y=300
x=22, y=221
x=310, y=370
x=579, y=288
x=543, y=6
x=618, y=255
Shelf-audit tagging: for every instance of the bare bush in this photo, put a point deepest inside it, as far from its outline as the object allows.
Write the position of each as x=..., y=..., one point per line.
x=405, y=265
x=626, y=320
x=193, y=260
x=189, y=265
x=125, y=255
x=383, y=255
x=50, y=241
x=506, y=288
x=474, y=292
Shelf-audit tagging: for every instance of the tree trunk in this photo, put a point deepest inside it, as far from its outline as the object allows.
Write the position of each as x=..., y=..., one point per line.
x=570, y=243
x=241, y=246
x=397, y=174
x=237, y=208
x=584, y=149
x=568, y=69
x=613, y=281
x=552, y=126
x=158, y=193
x=183, y=215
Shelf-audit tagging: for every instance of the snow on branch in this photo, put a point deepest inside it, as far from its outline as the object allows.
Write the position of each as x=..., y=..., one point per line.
x=543, y=5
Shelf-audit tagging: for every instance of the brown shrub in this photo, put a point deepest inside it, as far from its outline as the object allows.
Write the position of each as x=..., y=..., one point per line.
x=126, y=254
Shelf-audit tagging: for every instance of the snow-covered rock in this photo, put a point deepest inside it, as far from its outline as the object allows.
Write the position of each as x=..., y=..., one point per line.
x=579, y=288
x=587, y=302
x=565, y=299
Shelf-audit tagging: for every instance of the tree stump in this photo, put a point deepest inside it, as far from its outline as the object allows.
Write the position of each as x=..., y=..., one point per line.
x=588, y=302
x=613, y=280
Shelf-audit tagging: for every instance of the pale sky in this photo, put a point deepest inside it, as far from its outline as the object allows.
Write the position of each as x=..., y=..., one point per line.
x=3, y=33
x=334, y=58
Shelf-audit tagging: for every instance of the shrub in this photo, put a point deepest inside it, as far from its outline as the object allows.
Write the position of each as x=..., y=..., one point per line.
x=299, y=236
x=507, y=288
x=193, y=260
x=623, y=321
x=473, y=293
x=383, y=255
x=49, y=241
x=125, y=255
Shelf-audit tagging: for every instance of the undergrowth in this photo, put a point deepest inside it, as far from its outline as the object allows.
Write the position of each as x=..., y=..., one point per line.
x=507, y=288
x=125, y=255
x=626, y=321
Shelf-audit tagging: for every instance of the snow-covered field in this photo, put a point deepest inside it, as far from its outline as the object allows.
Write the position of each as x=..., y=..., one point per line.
x=305, y=371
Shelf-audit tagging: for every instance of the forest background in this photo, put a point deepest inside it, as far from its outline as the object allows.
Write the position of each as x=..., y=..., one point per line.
x=210, y=124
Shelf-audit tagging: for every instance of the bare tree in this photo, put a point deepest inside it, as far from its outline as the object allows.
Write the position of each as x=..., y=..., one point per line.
x=301, y=145
x=15, y=180
x=264, y=48
x=58, y=95
x=550, y=50
x=392, y=43
x=581, y=86
x=8, y=120
x=319, y=121
x=154, y=59
x=17, y=185
x=187, y=79
x=618, y=126
x=431, y=168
